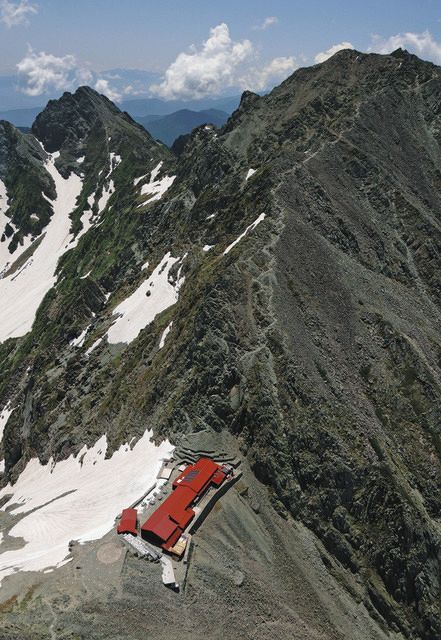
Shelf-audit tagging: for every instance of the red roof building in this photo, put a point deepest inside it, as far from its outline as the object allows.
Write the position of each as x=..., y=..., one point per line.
x=128, y=522
x=166, y=525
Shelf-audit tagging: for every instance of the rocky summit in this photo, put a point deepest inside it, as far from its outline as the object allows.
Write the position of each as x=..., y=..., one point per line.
x=273, y=286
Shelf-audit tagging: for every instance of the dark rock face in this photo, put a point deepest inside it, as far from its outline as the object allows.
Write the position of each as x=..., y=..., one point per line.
x=87, y=124
x=22, y=171
x=71, y=119
x=316, y=339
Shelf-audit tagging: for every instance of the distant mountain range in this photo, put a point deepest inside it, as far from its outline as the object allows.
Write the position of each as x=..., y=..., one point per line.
x=142, y=107
x=168, y=128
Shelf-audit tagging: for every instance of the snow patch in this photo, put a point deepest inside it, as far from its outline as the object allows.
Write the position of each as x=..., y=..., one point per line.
x=207, y=247
x=155, y=172
x=138, y=180
x=165, y=334
x=4, y=417
x=153, y=296
x=115, y=160
x=155, y=188
x=76, y=499
x=250, y=173
x=86, y=221
x=93, y=347
x=3, y=198
x=22, y=292
x=81, y=160
x=78, y=342
x=108, y=191
x=252, y=226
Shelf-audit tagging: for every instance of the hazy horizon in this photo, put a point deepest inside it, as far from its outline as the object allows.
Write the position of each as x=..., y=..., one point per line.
x=191, y=51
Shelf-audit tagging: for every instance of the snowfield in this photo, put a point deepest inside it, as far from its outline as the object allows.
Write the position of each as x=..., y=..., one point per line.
x=152, y=296
x=76, y=499
x=252, y=226
x=21, y=292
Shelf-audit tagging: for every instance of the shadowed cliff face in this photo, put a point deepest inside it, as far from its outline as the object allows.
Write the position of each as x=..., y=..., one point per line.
x=315, y=339
x=27, y=184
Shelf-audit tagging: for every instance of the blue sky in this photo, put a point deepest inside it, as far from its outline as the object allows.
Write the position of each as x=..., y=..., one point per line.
x=91, y=36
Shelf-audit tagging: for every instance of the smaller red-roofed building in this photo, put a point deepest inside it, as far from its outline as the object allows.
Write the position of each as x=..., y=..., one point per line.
x=128, y=522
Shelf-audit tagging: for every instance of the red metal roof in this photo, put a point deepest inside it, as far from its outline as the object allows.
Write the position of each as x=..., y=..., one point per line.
x=178, y=506
x=197, y=476
x=172, y=517
x=218, y=478
x=162, y=525
x=173, y=539
x=128, y=522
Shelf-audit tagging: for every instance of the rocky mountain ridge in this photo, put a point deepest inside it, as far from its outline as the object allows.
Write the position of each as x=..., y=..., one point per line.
x=299, y=253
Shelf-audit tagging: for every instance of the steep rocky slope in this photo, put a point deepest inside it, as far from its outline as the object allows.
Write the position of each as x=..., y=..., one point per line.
x=299, y=247
x=25, y=182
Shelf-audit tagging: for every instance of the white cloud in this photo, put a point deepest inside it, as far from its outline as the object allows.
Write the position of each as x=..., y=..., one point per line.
x=207, y=70
x=130, y=90
x=44, y=71
x=268, y=22
x=422, y=44
x=83, y=76
x=219, y=64
x=16, y=13
x=103, y=86
x=324, y=55
x=112, y=76
x=278, y=69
